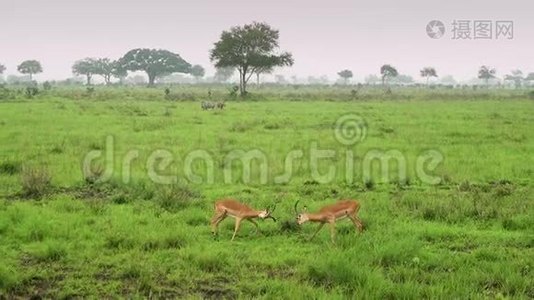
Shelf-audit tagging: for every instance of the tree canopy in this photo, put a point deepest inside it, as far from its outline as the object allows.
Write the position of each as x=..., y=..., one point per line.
x=2, y=69
x=104, y=67
x=107, y=68
x=388, y=71
x=428, y=72
x=516, y=77
x=345, y=74
x=249, y=48
x=119, y=71
x=30, y=67
x=86, y=67
x=486, y=73
x=197, y=71
x=155, y=62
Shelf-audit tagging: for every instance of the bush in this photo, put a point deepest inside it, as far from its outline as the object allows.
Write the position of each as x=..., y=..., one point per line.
x=36, y=182
x=232, y=92
x=47, y=86
x=31, y=91
x=5, y=93
x=369, y=184
x=89, y=91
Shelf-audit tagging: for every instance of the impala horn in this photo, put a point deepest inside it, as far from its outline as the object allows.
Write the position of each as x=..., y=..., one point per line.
x=270, y=211
x=295, y=207
x=271, y=217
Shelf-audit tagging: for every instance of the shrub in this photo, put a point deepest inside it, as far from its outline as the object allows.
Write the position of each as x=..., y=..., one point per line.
x=47, y=86
x=89, y=91
x=232, y=92
x=6, y=93
x=97, y=170
x=31, y=92
x=36, y=181
x=369, y=184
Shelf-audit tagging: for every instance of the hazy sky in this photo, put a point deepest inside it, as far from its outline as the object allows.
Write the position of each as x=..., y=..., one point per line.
x=324, y=36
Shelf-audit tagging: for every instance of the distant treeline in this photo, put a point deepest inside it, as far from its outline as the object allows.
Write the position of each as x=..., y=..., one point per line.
x=265, y=92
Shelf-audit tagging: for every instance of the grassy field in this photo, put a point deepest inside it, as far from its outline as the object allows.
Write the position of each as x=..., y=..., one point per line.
x=63, y=235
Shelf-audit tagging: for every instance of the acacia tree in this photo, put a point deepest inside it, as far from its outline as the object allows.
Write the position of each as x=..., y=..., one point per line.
x=388, y=71
x=428, y=72
x=119, y=72
x=30, y=67
x=249, y=48
x=486, y=73
x=87, y=67
x=155, y=62
x=104, y=67
x=345, y=74
x=198, y=72
x=2, y=69
x=516, y=77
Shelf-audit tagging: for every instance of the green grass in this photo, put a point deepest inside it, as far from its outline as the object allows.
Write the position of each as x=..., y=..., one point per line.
x=471, y=236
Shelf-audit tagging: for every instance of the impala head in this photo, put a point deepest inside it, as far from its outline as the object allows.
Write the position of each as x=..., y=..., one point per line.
x=302, y=217
x=267, y=213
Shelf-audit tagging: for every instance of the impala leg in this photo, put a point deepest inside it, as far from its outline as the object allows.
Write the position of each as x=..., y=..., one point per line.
x=237, y=225
x=217, y=218
x=317, y=231
x=255, y=224
x=333, y=231
x=219, y=221
x=357, y=222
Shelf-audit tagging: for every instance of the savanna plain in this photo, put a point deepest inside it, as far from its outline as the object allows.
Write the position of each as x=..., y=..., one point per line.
x=63, y=234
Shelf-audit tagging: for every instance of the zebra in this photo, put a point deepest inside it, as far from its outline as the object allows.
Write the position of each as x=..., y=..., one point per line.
x=207, y=105
x=220, y=105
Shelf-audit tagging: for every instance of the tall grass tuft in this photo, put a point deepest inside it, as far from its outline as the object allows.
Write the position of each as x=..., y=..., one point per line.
x=36, y=182
x=10, y=167
x=176, y=197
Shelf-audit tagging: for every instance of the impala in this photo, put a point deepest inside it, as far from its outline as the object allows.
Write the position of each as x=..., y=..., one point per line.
x=330, y=214
x=239, y=212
